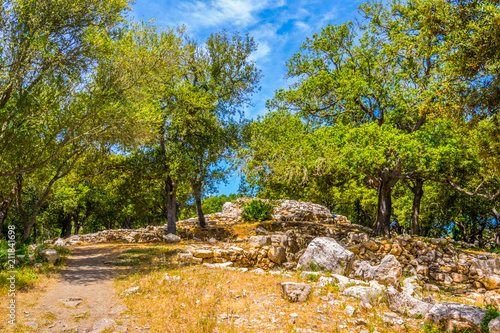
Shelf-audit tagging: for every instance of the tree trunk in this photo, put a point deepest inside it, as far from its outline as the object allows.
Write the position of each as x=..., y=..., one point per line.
x=170, y=190
x=4, y=208
x=199, y=211
x=382, y=225
x=128, y=223
x=67, y=226
x=418, y=193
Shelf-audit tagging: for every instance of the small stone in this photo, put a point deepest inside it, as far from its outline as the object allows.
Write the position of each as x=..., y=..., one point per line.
x=103, y=324
x=71, y=302
x=31, y=324
x=349, y=311
x=169, y=278
x=131, y=290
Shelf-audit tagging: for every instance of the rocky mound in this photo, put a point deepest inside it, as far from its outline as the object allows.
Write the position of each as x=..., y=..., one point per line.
x=284, y=211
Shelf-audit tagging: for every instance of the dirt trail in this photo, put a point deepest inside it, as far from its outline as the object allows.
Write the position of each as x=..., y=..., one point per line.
x=86, y=275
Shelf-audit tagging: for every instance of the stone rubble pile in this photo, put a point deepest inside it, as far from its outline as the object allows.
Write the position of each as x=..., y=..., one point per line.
x=150, y=234
x=284, y=211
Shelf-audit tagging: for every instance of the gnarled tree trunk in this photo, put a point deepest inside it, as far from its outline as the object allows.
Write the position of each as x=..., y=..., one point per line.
x=199, y=211
x=386, y=182
x=418, y=193
x=170, y=190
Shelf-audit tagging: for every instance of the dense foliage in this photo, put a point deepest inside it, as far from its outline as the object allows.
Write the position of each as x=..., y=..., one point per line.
x=391, y=120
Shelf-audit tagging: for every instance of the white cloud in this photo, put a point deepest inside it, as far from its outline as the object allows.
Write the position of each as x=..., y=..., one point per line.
x=262, y=51
x=217, y=12
x=303, y=26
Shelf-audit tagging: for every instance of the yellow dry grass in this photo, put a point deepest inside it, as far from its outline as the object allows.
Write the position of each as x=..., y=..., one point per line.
x=212, y=300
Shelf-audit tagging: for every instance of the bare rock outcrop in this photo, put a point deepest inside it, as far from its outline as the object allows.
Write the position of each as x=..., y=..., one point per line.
x=327, y=255
x=456, y=315
x=388, y=272
x=405, y=304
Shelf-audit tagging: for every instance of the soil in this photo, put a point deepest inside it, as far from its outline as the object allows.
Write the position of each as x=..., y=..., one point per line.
x=89, y=275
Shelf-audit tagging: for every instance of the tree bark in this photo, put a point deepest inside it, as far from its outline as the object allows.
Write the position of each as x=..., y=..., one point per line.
x=4, y=207
x=170, y=190
x=199, y=211
x=418, y=193
x=67, y=226
x=382, y=225
x=128, y=222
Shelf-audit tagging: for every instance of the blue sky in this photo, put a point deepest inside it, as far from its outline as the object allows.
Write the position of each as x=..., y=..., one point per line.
x=278, y=26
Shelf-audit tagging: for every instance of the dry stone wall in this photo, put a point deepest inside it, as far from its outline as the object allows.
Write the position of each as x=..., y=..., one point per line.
x=150, y=234
x=432, y=260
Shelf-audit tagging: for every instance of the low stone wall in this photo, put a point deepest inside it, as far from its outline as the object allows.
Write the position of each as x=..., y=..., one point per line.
x=150, y=234
x=432, y=260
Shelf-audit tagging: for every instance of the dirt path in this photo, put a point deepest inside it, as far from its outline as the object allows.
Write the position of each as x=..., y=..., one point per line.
x=88, y=276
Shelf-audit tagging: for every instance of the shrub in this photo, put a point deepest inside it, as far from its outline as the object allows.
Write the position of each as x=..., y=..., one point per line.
x=257, y=211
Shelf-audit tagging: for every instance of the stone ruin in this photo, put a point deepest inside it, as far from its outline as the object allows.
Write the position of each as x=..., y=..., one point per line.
x=284, y=210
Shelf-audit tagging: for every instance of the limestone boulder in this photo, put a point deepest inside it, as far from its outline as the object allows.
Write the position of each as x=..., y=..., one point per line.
x=277, y=254
x=494, y=325
x=292, y=210
x=171, y=238
x=202, y=253
x=490, y=282
x=403, y=303
x=260, y=241
x=485, y=267
x=456, y=316
x=295, y=292
x=388, y=272
x=328, y=255
x=50, y=255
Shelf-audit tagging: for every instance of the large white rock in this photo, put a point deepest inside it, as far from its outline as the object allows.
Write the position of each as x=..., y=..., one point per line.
x=405, y=304
x=388, y=272
x=50, y=254
x=171, y=238
x=328, y=255
x=456, y=315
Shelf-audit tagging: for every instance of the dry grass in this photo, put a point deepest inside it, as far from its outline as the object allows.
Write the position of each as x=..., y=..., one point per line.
x=31, y=283
x=245, y=229
x=208, y=300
